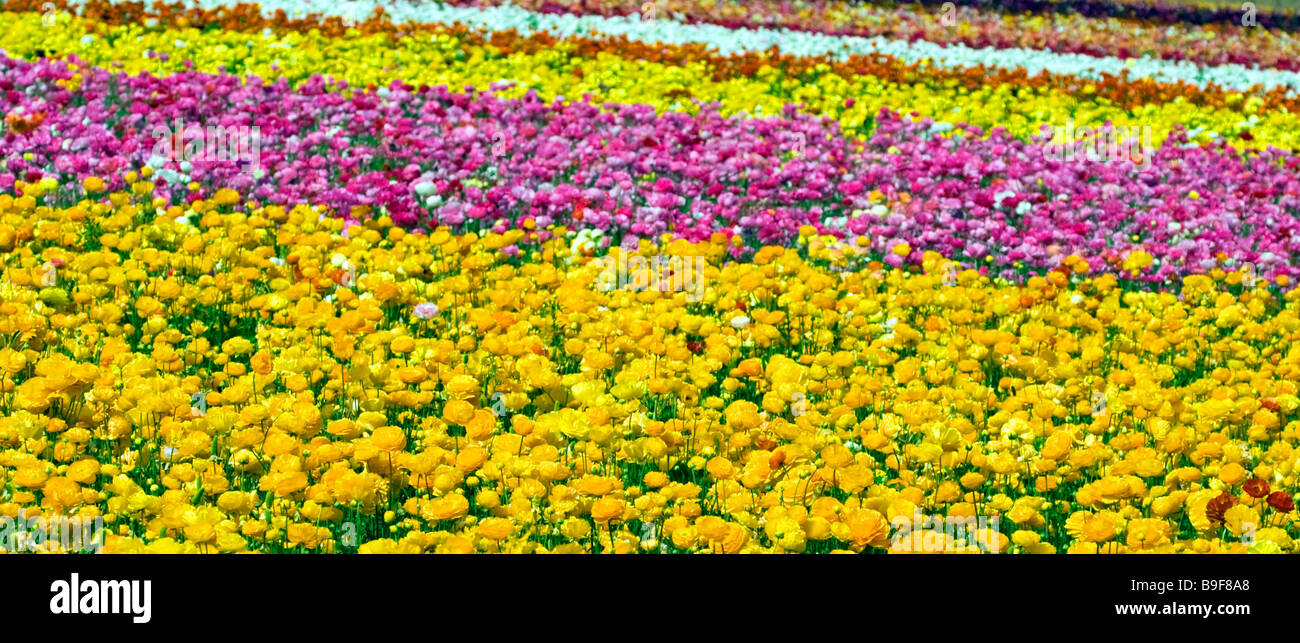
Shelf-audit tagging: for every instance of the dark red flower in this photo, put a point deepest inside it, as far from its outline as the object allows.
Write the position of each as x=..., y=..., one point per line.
x=1219, y=506
x=694, y=347
x=1280, y=501
x=1256, y=487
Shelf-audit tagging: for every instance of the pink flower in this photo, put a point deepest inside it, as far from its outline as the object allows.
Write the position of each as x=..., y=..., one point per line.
x=426, y=310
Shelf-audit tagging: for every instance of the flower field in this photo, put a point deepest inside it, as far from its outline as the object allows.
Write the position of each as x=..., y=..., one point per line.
x=679, y=276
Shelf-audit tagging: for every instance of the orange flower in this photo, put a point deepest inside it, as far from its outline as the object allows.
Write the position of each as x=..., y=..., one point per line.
x=261, y=362
x=867, y=527
x=607, y=509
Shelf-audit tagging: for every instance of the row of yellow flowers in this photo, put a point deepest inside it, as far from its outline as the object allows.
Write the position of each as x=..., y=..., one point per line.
x=231, y=377
x=365, y=60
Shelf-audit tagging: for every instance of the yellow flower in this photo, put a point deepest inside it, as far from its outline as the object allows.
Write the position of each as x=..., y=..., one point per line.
x=1147, y=533
x=226, y=196
x=496, y=528
x=1233, y=474
x=720, y=468
x=306, y=535
x=458, y=412
x=388, y=438
x=1097, y=528
x=449, y=507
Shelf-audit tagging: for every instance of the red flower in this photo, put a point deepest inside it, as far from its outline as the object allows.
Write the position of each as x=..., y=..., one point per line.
x=694, y=347
x=1270, y=404
x=1219, y=506
x=1256, y=487
x=742, y=306
x=1280, y=501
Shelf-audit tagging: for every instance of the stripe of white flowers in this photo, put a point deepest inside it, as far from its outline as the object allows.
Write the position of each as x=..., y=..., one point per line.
x=800, y=43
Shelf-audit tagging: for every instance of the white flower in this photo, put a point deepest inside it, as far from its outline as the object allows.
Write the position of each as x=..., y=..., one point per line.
x=426, y=310
x=587, y=239
x=170, y=176
x=739, y=321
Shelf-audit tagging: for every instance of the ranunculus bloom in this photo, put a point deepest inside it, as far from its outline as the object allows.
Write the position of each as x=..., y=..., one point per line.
x=1256, y=487
x=1281, y=501
x=388, y=438
x=426, y=310
x=867, y=527
x=607, y=509
x=1218, y=506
